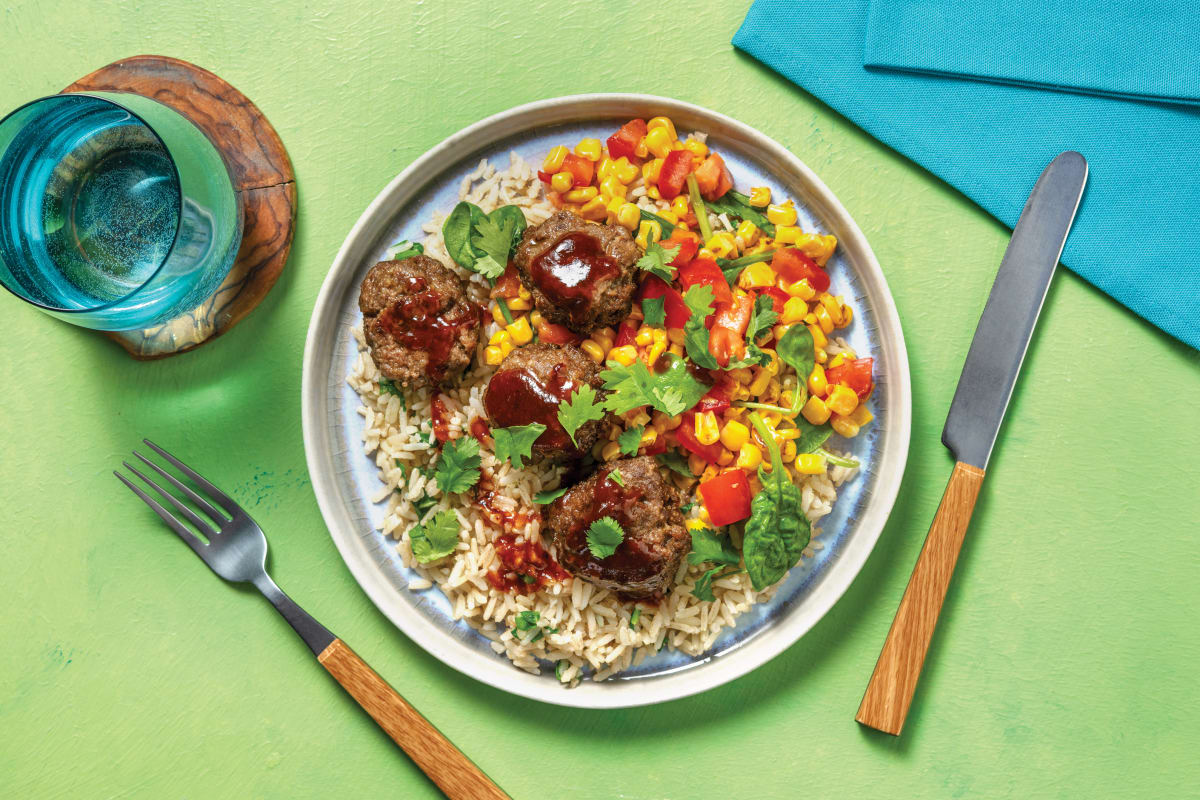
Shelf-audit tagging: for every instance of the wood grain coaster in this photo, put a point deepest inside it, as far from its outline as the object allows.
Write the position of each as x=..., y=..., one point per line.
x=260, y=170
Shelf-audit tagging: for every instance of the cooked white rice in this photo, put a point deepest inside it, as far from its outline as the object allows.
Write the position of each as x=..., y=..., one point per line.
x=593, y=635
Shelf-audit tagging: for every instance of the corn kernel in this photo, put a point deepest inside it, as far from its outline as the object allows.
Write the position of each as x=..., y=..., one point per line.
x=679, y=206
x=582, y=194
x=506, y=347
x=786, y=234
x=771, y=393
x=779, y=330
x=610, y=451
x=816, y=246
x=644, y=336
x=841, y=400
x=535, y=317
x=554, y=159
x=612, y=187
x=520, y=331
x=817, y=384
x=658, y=142
x=785, y=434
x=861, y=415
x=697, y=148
x=655, y=352
x=819, y=340
x=756, y=276
x=831, y=305
x=810, y=464
x=594, y=209
x=781, y=214
x=815, y=411
x=695, y=524
x=562, y=181
x=651, y=170
x=847, y=315
x=604, y=337
x=663, y=122
x=722, y=245
x=823, y=318
x=638, y=417
x=669, y=216
x=734, y=435
x=747, y=231
x=501, y=337
x=498, y=315
x=741, y=374
x=760, y=196
x=649, y=437
x=844, y=426
x=801, y=288
x=837, y=360
x=725, y=458
x=772, y=366
x=676, y=349
x=594, y=350
x=628, y=216
x=605, y=168
x=520, y=304
x=624, y=170
x=749, y=456
x=625, y=354
x=649, y=231
x=706, y=427
x=794, y=310
x=492, y=355
x=696, y=464
x=822, y=356
x=787, y=451
x=589, y=149
x=710, y=472
x=759, y=384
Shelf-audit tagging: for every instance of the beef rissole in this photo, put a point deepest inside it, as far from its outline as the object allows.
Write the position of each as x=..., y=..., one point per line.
x=647, y=508
x=528, y=387
x=418, y=322
x=580, y=274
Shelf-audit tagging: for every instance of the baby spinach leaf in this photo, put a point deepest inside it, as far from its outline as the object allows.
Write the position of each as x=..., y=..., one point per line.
x=811, y=436
x=777, y=531
x=456, y=232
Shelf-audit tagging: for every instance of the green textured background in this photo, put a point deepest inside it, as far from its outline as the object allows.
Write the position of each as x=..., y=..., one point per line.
x=1065, y=664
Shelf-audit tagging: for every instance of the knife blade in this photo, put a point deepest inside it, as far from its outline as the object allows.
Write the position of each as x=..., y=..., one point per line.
x=980, y=400
x=1006, y=325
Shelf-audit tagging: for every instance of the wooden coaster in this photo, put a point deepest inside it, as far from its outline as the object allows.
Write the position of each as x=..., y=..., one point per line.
x=260, y=170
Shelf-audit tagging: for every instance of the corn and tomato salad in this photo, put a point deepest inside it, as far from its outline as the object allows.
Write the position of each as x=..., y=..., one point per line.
x=676, y=196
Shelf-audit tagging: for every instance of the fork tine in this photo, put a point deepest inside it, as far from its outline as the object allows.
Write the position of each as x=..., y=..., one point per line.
x=223, y=500
x=174, y=524
x=192, y=517
x=205, y=506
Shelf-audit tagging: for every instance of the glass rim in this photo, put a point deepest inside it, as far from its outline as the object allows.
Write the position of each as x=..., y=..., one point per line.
x=178, y=187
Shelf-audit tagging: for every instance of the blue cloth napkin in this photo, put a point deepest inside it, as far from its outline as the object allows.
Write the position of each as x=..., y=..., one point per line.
x=1148, y=49
x=1137, y=235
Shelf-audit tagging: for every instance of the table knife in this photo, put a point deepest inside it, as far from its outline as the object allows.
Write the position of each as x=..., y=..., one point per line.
x=976, y=413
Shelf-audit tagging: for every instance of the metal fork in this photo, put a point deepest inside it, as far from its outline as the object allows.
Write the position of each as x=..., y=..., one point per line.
x=236, y=549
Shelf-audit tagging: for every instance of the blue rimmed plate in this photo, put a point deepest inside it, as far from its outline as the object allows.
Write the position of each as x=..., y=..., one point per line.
x=345, y=480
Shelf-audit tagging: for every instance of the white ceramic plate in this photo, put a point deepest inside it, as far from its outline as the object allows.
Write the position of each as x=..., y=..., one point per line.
x=344, y=479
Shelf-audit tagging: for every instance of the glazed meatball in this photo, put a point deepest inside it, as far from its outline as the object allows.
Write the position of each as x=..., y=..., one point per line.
x=580, y=274
x=418, y=322
x=646, y=506
x=528, y=387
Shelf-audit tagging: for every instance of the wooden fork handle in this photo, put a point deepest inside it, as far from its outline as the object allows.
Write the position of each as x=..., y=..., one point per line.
x=890, y=691
x=444, y=763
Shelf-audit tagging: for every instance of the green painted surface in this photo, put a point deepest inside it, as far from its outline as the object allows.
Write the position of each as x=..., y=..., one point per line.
x=1065, y=665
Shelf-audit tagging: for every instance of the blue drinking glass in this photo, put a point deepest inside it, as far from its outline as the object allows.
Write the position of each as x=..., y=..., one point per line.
x=116, y=212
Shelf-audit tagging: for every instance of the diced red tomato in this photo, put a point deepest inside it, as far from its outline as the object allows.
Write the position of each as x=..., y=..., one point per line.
x=687, y=242
x=778, y=297
x=727, y=497
x=704, y=271
x=725, y=345
x=556, y=334
x=659, y=446
x=624, y=142
x=626, y=333
x=676, y=310
x=713, y=178
x=792, y=265
x=727, y=340
x=856, y=374
x=509, y=284
x=544, y=176
x=580, y=167
x=686, y=435
x=717, y=400
x=675, y=169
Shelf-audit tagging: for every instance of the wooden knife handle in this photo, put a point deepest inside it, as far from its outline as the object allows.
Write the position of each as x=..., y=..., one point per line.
x=444, y=763
x=889, y=694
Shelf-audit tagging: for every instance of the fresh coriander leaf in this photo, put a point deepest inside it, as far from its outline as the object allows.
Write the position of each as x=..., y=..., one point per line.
x=578, y=409
x=631, y=440
x=425, y=437
x=536, y=636
x=710, y=547
x=674, y=461
x=493, y=238
x=457, y=469
x=777, y=531
x=489, y=268
x=404, y=249
x=671, y=391
x=527, y=620
x=604, y=536
x=615, y=476
x=657, y=261
x=699, y=300
x=387, y=387
x=634, y=617
x=423, y=504
x=516, y=443
x=435, y=539
x=703, y=588
x=654, y=311
x=549, y=495
x=686, y=507
x=738, y=206
x=527, y=579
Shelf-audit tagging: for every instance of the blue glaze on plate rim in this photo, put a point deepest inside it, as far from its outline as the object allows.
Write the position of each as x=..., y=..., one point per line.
x=356, y=474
